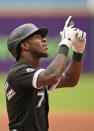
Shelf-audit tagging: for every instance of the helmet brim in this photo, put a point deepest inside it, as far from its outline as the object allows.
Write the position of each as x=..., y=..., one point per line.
x=43, y=31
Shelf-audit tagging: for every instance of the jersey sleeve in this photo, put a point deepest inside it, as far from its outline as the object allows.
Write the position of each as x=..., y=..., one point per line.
x=27, y=77
x=35, y=76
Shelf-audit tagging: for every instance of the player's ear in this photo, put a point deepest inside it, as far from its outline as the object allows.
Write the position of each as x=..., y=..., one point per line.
x=25, y=46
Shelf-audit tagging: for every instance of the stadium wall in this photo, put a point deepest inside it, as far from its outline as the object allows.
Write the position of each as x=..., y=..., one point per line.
x=51, y=14
x=54, y=26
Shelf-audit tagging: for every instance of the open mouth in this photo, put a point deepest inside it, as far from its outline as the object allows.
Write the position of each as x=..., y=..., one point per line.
x=45, y=46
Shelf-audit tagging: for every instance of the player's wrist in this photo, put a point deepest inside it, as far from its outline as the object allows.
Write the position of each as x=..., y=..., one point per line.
x=63, y=50
x=77, y=56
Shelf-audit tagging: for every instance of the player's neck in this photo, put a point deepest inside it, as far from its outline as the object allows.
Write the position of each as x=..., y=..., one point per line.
x=31, y=60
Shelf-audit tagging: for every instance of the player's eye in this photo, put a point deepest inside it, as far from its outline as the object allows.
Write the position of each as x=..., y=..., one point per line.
x=38, y=36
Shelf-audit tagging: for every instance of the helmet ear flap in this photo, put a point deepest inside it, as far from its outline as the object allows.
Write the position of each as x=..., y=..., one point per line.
x=13, y=52
x=18, y=52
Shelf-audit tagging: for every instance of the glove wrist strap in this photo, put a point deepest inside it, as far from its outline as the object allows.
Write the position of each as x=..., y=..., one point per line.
x=77, y=56
x=63, y=50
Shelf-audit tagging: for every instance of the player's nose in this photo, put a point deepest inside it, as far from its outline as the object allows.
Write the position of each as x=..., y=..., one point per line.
x=44, y=40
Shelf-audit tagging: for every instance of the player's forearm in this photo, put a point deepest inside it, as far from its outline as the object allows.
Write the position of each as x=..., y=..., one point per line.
x=72, y=73
x=53, y=72
x=58, y=64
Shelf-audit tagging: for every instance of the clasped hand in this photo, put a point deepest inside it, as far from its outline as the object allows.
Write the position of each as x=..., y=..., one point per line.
x=73, y=37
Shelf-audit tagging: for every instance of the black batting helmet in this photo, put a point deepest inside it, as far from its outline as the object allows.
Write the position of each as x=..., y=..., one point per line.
x=21, y=33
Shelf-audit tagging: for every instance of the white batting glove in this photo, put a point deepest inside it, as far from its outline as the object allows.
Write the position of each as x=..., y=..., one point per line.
x=79, y=42
x=68, y=34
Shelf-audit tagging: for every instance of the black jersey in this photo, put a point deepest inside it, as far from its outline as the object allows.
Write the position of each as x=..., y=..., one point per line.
x=27, y=106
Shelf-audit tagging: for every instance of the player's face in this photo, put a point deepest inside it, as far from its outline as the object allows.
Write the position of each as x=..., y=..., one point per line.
x=38, y=46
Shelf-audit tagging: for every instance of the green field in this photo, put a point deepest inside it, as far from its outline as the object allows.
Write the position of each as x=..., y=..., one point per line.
x=52, y=48
x=79, y=98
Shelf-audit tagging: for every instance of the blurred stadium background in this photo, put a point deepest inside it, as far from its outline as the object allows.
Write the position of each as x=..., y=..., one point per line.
x=52, y=14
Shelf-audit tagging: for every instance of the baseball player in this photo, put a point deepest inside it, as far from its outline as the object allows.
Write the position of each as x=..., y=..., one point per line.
x=27, y=84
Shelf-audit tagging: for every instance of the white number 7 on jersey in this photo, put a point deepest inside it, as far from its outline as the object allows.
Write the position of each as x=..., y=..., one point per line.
x=41, y=99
